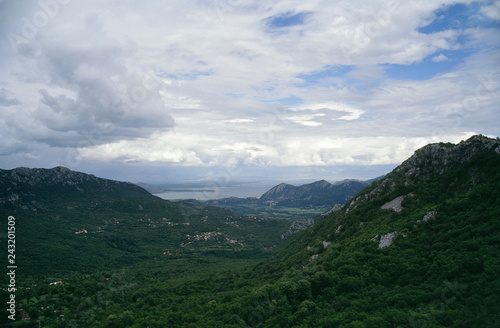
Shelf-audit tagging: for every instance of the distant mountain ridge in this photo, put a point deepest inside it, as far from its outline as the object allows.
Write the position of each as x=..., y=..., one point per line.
x=25, y=188
x=316, y=194
x=68, y=220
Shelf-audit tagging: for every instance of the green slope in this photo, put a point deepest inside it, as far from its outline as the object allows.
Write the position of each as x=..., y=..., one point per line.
x=442, y=268
x=419, y=248
x=71, y=221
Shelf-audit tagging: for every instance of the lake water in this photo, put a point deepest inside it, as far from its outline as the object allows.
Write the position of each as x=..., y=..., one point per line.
x=215, y=192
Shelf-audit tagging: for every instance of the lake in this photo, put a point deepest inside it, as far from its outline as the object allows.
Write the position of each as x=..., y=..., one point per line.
x=241, y=190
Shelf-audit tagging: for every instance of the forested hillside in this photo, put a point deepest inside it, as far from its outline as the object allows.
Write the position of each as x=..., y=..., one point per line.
x=419, y=248
x=72, y=221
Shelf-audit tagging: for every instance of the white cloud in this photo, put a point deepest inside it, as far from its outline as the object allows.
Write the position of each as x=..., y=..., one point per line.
x=439, y=58
x=239, y=120
x=341, y=111
x=306, y=120
x=492, y=11
x=212, y=83
x=157, y=149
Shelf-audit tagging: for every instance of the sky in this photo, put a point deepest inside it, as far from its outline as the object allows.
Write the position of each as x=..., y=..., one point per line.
x=231, y=90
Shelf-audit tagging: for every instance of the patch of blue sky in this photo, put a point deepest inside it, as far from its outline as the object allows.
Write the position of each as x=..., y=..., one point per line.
x=287, y=19
x=324, y=76
x=456, y=17
x=438, y=63
x=287, y=101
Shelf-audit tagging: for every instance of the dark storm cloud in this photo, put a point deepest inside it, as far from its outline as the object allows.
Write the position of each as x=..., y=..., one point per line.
x=91, y=90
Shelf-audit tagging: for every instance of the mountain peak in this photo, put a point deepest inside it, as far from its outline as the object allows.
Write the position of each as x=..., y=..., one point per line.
x=321, y=183
x=317, y=193
x=279, y=191
x=428, y=162
x=56, y=175
x=440, y=157
x=433, y=206
x=20, y=186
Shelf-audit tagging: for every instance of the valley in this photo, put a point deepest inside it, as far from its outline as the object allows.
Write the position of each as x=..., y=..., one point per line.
x=290, y=202
x=418, y=247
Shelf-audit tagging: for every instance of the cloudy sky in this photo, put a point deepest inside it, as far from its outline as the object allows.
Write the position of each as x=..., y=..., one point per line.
x=234, y=89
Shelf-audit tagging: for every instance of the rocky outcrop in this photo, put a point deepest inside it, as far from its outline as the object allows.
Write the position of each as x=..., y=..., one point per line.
x=335, y=208
x=429, y=160
x=427, y=217
x=297, y=226
x=385, y=239
x=440, y=157
x=394, y=204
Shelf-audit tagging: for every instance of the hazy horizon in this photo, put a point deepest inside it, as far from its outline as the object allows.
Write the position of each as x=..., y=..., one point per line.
x=206, y=190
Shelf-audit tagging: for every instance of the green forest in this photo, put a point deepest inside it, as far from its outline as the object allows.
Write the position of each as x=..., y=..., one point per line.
x=431, y=261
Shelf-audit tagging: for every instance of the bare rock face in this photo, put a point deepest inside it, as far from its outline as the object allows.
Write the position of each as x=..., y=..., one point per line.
x=394, y=204
x=335, y=208
x=386, y=240
x=297, y=226
x=429, y=215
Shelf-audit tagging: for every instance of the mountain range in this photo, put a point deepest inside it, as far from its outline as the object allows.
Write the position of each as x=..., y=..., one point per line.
x=68, y=220
x=320, y=193
x=295, y=202
x=417, y=248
